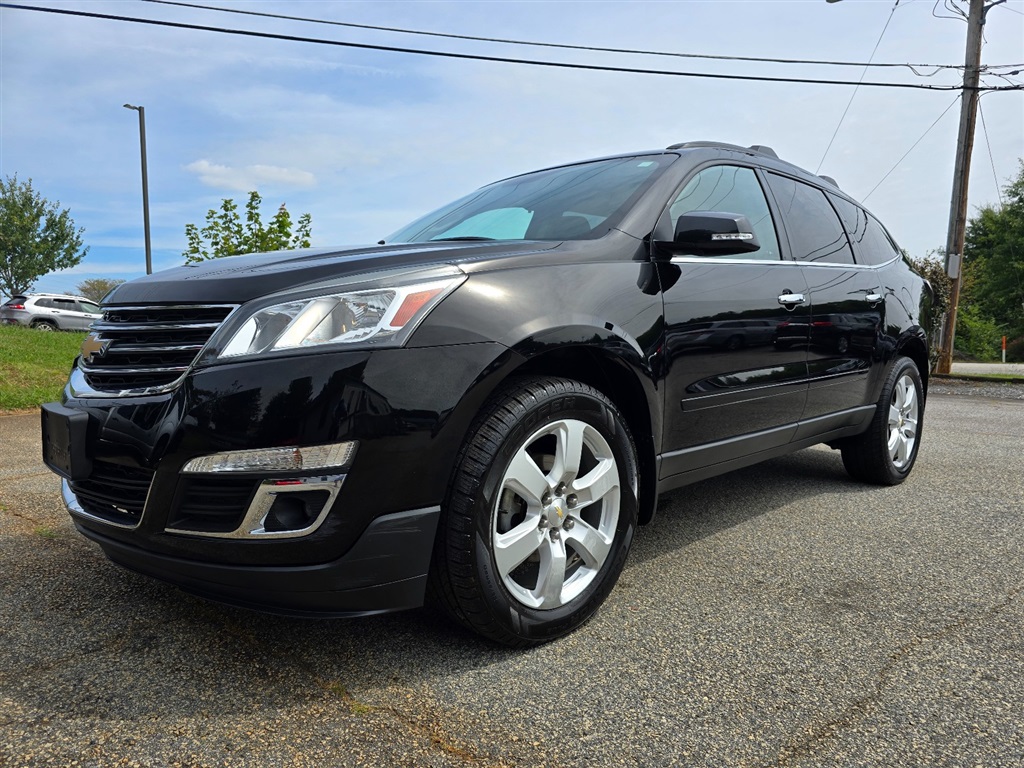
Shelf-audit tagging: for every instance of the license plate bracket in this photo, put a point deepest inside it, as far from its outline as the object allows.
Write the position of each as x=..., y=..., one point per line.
x=64, y=441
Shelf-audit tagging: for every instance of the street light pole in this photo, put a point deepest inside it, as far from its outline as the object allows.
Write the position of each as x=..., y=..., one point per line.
x=145, y=185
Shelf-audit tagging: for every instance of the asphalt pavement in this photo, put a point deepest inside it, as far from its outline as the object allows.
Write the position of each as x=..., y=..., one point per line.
x=779, y=616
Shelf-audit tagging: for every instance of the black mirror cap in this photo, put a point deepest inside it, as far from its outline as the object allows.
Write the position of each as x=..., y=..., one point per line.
x=713, y=233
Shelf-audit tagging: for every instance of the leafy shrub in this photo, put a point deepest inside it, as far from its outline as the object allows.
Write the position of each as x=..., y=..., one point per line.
x=977, y=337
x=1015, y=350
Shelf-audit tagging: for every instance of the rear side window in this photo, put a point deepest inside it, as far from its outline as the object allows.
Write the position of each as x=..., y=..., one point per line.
x=881, y=248
x=44, y=303
x=871, y=243
x=730, y=189
x=815, y=233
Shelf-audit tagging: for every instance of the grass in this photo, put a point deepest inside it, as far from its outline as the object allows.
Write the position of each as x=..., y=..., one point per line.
x=34, y=365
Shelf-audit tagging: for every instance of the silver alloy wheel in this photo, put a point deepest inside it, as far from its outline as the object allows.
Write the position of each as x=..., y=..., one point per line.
x=904, y=413
x=558, y=507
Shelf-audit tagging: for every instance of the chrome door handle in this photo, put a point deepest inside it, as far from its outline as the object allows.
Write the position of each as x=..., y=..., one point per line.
x=791, y=299
x=873, y=298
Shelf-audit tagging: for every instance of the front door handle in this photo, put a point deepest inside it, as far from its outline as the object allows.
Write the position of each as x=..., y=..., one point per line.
x=791, y=299
x=873, y=298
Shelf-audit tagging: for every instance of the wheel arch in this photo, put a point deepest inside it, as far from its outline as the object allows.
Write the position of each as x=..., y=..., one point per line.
x=622, y=383
x=914, y=346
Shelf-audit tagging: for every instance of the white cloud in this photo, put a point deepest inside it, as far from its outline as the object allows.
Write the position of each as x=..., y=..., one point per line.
x=249, y=177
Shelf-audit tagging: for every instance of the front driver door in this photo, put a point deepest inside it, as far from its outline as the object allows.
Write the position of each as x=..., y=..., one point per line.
x=736, y=335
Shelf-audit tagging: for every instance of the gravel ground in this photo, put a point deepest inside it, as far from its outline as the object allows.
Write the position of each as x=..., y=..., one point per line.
x=778, y=616
x=1003, y=390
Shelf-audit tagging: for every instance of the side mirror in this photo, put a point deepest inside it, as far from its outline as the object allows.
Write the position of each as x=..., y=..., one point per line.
x=713, y=233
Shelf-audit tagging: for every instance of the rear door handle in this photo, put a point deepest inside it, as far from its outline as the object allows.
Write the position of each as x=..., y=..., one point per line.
x=791, y=299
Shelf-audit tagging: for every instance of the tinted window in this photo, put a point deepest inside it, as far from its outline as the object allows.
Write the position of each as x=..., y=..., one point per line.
x=871, y=243
x=729, y=189
x=15, y=300
x=576, y=202
x=68, y=304
x=44, y=303
x=815, y=233
x=880, y=248
x=88, y=306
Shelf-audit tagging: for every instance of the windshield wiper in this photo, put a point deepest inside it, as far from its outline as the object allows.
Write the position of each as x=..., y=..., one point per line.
x=466, y=239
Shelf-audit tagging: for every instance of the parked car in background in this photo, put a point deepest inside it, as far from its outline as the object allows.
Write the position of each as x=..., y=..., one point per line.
x=481, y=409
x=50, y=312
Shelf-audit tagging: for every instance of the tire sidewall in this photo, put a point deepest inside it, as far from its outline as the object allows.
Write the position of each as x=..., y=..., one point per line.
x=530, y=623
x=904, y=365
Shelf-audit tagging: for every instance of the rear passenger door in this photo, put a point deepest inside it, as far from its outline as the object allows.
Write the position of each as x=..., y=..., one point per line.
x=847, y=306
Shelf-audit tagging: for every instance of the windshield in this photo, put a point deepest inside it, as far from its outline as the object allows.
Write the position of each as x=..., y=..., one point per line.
x=576, y=202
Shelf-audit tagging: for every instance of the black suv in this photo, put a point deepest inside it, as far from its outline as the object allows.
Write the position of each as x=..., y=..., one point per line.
x=482, y=408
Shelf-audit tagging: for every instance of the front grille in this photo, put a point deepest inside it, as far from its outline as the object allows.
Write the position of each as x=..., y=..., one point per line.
x=114, y=492
x=147, y=347
x=212, y=504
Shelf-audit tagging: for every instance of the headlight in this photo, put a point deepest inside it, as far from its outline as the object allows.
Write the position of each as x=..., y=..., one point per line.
x=383, y=311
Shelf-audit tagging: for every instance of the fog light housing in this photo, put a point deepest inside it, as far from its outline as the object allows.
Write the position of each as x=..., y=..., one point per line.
x=284, y=459
x=294, y=511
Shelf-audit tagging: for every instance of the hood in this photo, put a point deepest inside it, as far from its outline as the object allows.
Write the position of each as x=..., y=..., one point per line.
x=235, y=279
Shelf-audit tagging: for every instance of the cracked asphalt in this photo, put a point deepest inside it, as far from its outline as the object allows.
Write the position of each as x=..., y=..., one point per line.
x=779, y=616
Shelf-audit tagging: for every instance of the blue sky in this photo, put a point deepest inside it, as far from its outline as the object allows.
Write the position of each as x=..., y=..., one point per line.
x=366, y=141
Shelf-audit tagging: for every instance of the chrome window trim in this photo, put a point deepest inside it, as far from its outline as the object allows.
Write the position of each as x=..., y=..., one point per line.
x=789, y=262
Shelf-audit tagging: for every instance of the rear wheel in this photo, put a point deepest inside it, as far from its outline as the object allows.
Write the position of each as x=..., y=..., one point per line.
x=540, y=513
x=886, y=452
x=43, y=325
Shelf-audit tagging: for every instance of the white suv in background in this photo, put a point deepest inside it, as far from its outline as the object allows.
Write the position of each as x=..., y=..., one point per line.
x=50, y=312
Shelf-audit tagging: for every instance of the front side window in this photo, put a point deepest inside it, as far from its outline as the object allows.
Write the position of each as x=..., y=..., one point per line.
x=730, y=189
x=815, y=233
x=88, y=306
x=576, y=202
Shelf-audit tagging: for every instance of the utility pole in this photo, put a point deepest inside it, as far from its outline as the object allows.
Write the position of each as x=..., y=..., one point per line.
x=145, y=185
x=961, y=174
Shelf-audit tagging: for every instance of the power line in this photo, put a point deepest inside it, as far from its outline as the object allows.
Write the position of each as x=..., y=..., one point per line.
x=539, y=44
x=869, y=194
x=854, y=94
x=995, y=177
x=480, y=57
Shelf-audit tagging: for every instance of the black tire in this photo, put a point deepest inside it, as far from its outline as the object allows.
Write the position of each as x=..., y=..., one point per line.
x=43, y=325
x=733, y=343
x=868, y=456
x=481, y=508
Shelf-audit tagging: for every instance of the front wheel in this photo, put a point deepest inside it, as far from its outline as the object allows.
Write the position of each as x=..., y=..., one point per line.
x=886, y=452
x=540, y=513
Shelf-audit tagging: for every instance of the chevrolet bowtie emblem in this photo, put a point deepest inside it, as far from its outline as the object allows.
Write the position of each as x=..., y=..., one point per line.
x=93, y=347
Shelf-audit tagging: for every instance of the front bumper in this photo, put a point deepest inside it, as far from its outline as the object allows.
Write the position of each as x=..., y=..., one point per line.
x=371, y=550
x=386, y=570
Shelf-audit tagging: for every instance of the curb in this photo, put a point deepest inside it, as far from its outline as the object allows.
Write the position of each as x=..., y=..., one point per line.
x=1003, y=378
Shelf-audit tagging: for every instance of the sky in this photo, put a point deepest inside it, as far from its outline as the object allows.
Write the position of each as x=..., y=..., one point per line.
x=368, y=140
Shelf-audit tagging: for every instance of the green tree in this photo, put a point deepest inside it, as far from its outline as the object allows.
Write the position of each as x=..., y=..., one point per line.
x=36, y=236
x=96, y=288
x=993, y=278
x=226, y=235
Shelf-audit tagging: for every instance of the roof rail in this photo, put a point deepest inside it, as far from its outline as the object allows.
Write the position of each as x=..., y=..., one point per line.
x=829, y=179
x=758, y=148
